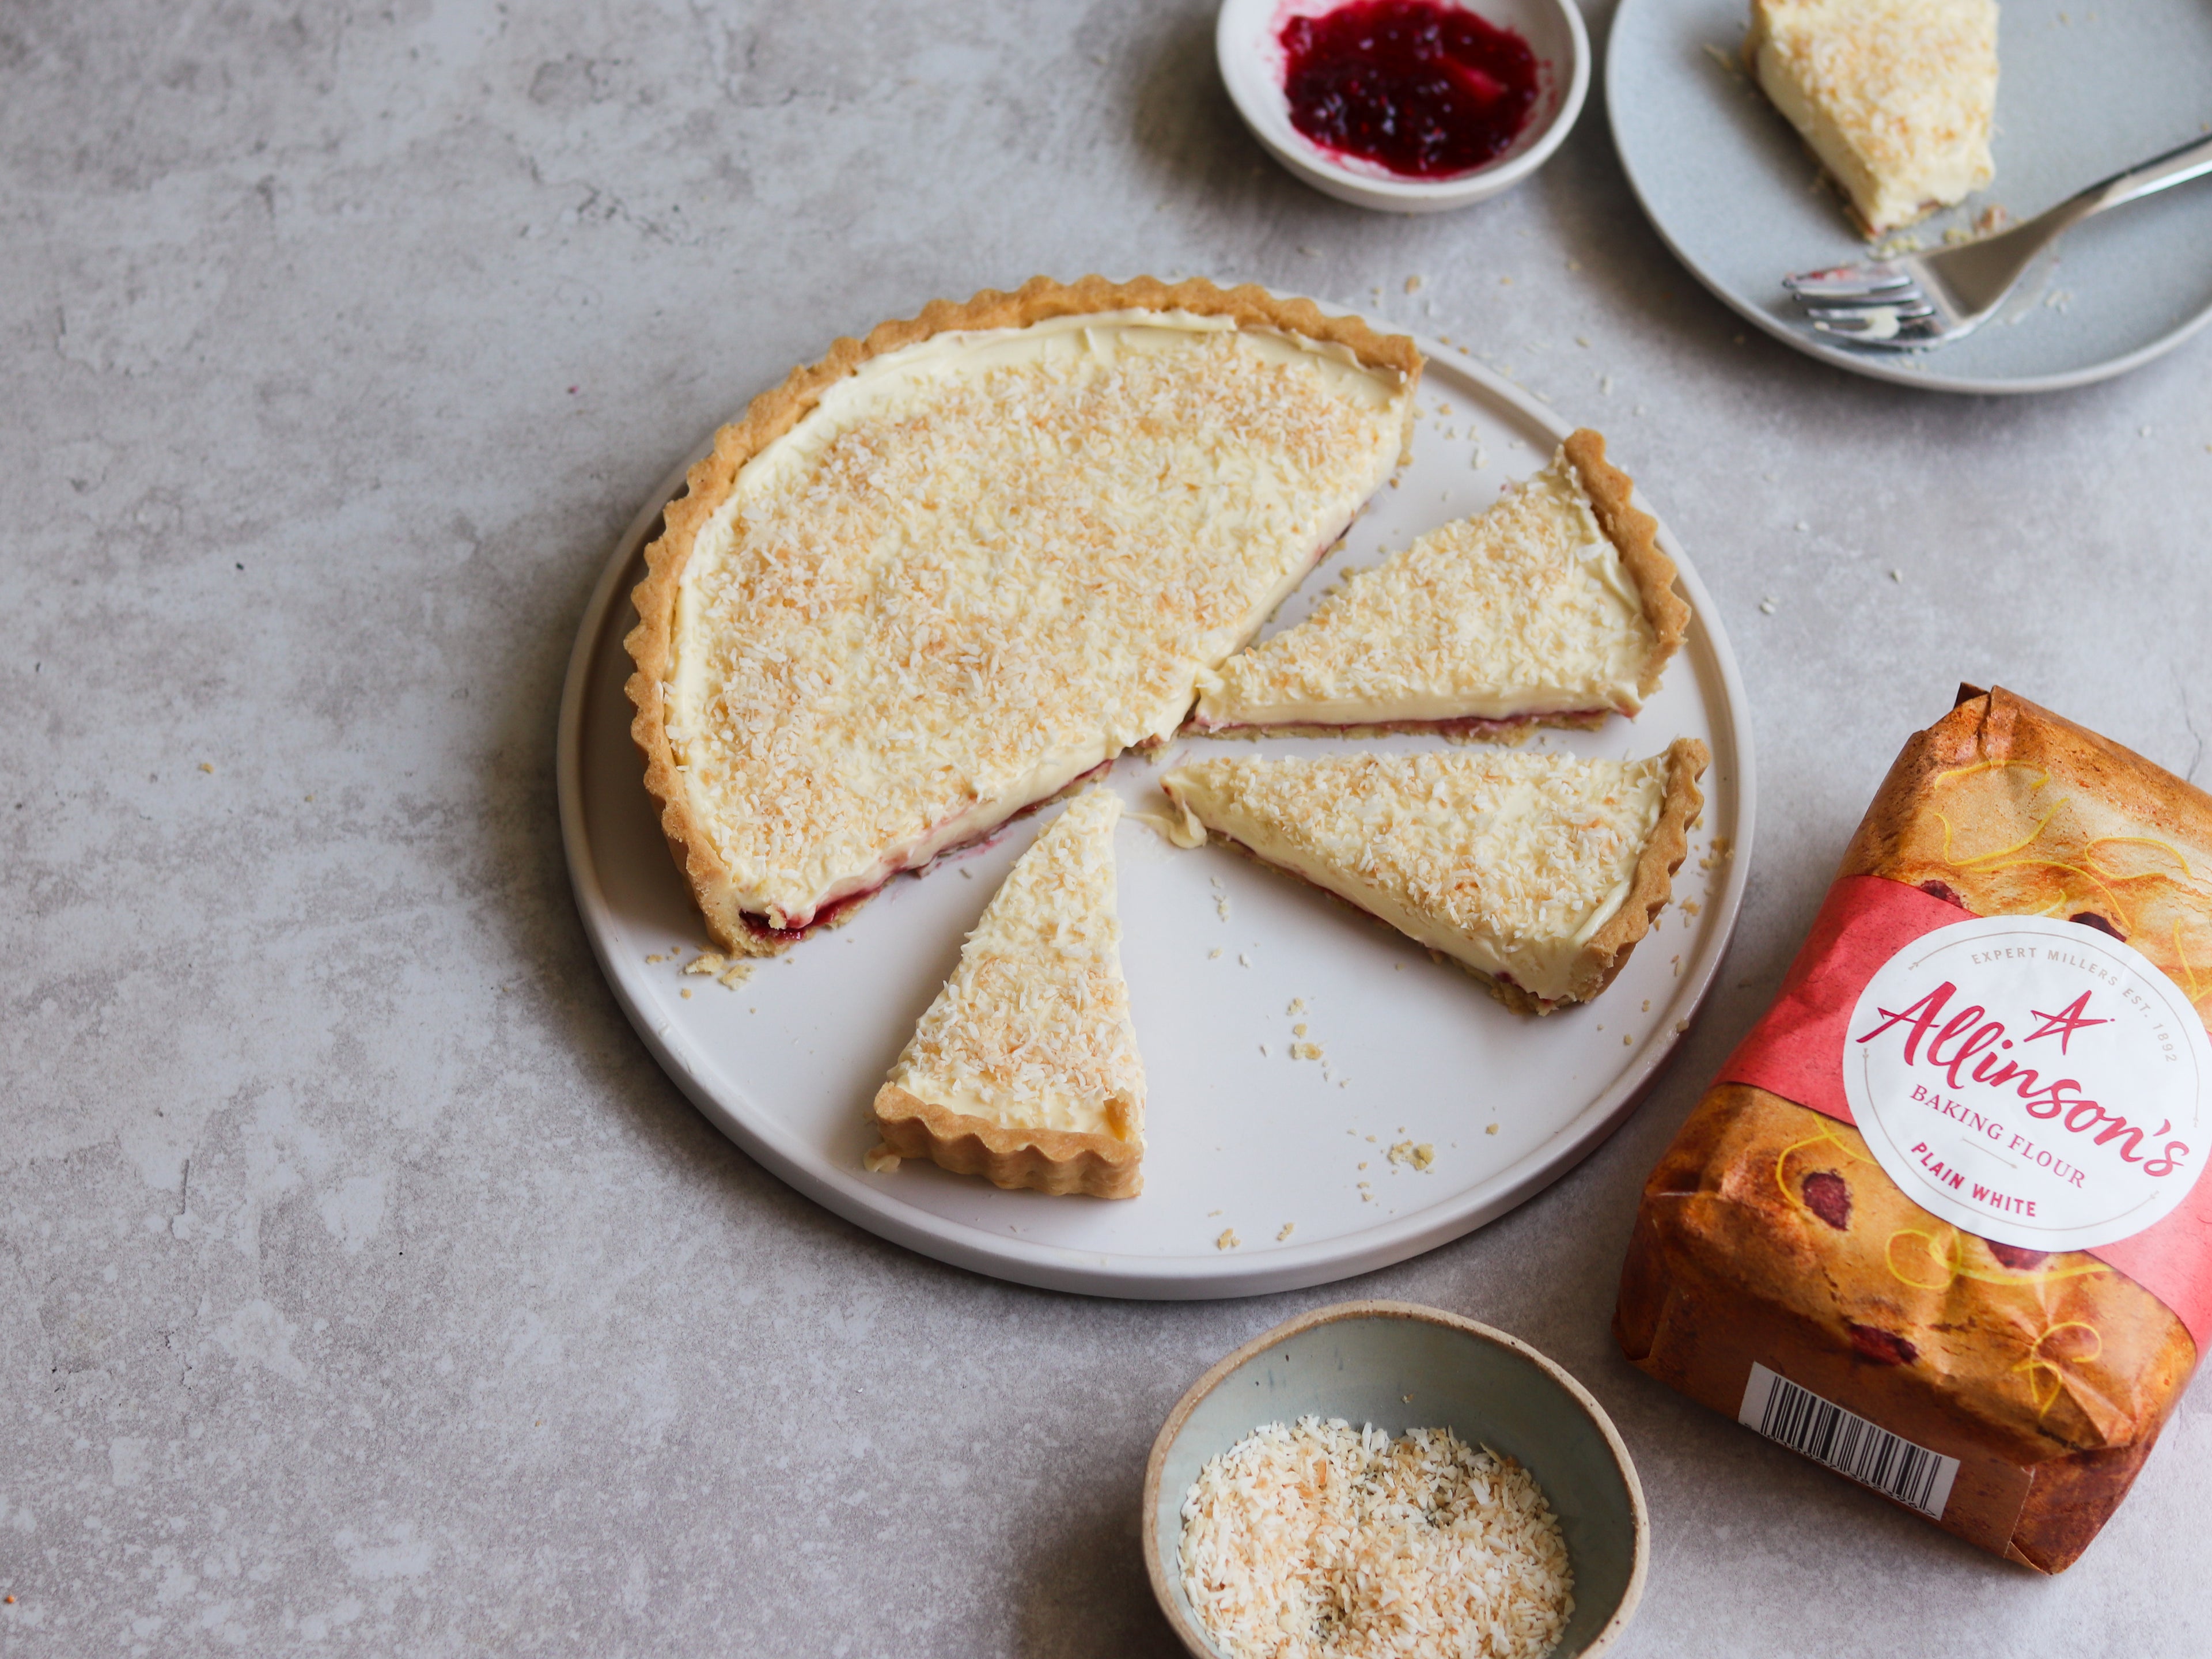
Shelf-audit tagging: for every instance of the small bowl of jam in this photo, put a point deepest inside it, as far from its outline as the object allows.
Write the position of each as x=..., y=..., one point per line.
x=1408, y=105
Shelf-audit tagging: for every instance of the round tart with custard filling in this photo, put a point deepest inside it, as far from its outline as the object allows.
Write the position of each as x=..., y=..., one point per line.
x=944, y=573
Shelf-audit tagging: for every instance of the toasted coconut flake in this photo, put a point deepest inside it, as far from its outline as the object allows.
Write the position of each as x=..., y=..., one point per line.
x=1320, y=1540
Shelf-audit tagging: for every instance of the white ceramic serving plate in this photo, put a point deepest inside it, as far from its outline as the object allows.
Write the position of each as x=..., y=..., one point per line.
x=1246, y=41
x=1396, y=1366
x=786, y=1064
x=2084, y=91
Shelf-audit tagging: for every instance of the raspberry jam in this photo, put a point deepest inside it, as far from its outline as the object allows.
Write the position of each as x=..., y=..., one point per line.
x=1419, y=87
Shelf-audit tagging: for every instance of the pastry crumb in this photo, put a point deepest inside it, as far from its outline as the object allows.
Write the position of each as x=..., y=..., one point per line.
x=1691, y=907
x=1298, y=1029
x=655, y=957
x=1307, y=1051
x=1680, y=1026
x=1413, y=285
x=1285, y=1233
x=1490, y=1129
x=706, y=961
x=879, y=1159
x=1243, y=958
x=1221, y=906
x=1228, y=1241
x=1647, y=1005
x=207, y=766
x=1420, y=1156
x=686, y=993
x=735, y=975
x=1213, y=954
x=1297, y=1006
x=1626, y=1039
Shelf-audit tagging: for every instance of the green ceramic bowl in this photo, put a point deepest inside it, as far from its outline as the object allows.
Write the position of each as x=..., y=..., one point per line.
x=1360, y=1361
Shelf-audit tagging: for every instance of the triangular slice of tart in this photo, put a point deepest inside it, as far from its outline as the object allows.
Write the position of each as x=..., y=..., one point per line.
x=1555, y=606
x=1536, y=872
x=936, y=578
x=1896, y=97
x=1026, y=1068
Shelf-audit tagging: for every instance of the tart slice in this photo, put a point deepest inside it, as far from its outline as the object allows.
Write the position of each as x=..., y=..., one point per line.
x=1555, y=607
x=943, y=574
x=1537, y=872
x=1894, y=96
x=1026, y=1068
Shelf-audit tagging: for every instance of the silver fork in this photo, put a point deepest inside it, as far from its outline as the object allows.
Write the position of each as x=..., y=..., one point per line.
x=1922, y=300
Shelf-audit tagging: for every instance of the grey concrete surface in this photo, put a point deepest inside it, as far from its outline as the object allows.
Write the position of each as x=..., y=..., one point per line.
x=364, y=1285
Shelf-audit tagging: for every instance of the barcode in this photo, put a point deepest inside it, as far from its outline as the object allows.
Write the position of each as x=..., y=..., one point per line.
x=1824, y=1432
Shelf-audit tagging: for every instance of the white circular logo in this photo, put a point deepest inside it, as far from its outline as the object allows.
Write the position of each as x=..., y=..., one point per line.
x=2035, y=1081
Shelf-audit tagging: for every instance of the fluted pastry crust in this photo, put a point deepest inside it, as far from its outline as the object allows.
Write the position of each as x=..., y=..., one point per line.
x=1040, y=1160
x=1636, y=534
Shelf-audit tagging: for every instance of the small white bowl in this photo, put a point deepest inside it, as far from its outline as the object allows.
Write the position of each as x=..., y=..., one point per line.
x=1245, y=40
x=1398, y=1365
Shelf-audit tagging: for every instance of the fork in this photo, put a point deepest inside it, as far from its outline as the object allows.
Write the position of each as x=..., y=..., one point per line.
x=1921, y=300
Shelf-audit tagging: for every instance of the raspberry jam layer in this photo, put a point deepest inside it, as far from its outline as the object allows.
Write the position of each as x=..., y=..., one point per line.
x=834, y=911
x=1510, y=729
x=1419, y=87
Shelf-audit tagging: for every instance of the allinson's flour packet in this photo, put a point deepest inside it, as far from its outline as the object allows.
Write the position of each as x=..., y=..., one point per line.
x=1939, y=1224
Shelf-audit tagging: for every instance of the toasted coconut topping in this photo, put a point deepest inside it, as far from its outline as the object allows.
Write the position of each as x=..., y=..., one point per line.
x=1511, y=863
x=1525, y=609
x=1894, y=96
x=983, y=564
x=1323, y=1541
x=1033, y=1028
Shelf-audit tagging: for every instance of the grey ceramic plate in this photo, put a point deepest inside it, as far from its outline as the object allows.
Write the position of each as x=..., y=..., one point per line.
x=1398, y=1365
x=2086, y=88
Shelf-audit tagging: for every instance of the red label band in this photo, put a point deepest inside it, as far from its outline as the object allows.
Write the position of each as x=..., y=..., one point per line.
x=1796, y=1051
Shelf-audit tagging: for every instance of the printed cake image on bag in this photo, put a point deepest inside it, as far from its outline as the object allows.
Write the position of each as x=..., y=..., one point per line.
x=1938, y=1224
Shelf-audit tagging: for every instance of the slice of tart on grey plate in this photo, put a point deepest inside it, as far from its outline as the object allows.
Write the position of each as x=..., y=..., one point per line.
x=1895, y=97
x=1554, y=607
x=1537, y=872
x=1026, y=1068
x=940, y=576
